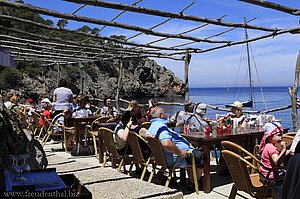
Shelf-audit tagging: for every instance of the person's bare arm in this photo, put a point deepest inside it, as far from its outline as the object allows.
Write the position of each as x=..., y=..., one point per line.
x=170, y=146
x=278, y=159
x=124, y=135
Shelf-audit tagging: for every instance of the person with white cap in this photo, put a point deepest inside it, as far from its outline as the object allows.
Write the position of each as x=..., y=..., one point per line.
x=236, y=116
x=271, y=156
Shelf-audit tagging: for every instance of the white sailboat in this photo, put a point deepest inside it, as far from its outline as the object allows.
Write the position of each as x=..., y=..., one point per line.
x=250, y=102
x=260, y=118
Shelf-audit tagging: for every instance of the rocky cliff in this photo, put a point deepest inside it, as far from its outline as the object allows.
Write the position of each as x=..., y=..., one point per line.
x=142, y=78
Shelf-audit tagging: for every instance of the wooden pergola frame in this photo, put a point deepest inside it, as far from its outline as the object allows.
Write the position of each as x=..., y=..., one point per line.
x=59, y=51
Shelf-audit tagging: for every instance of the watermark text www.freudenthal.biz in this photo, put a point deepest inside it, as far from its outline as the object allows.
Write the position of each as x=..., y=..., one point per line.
x=41, y=194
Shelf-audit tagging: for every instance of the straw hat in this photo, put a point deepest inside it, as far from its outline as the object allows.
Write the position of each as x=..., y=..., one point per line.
x=238, y=105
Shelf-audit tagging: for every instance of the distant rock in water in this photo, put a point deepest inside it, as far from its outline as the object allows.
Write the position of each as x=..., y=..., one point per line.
x=142, y=77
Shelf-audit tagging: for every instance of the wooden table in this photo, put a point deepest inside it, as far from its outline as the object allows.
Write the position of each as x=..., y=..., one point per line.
x=79, y=120
x=206, y=141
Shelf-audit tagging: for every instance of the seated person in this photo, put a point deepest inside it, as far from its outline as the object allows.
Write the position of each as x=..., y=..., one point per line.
x=121, y=132
x=47, y=107
x=14, y=103
x=196, y=122
x=179, y=119
x=108, y=109
x=236, y=117
x=74, y=103
x=291, y=186
x=271, y=156
x=151, y=104
x=174, y=144
x=31, y=106
x=81, y=110
x=295, y=142
x=138, y=115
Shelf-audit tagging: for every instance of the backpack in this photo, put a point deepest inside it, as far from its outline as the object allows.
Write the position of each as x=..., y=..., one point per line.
x=80, y=150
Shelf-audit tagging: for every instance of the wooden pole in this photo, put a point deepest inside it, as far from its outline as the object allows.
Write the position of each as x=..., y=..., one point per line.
x=78, y=18
x=83, y=33
x=81, y=76
x=275, y=6
x=119, y=84
x=187, y=60
x=58, y=73
x=138, y=9
x=63, y=43
x=293, y=93
x=44, y=79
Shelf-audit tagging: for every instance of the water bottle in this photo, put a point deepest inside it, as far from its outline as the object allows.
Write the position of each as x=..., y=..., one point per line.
x=214, y=126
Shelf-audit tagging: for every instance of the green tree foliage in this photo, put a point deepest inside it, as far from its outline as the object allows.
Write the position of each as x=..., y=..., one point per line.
x=118, y=37
x=26, y=15
x=9, y=78
x=62, y=23
x=85, y=29
x=95, y=30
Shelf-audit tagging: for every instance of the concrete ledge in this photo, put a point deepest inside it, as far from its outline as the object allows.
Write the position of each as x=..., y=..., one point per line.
x=106, y=182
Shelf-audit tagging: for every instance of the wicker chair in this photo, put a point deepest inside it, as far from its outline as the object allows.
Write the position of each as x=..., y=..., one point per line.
x=146, y=125
x=36, y=124
x=160, y=160
x=49, y=126
x=288, y=138
x=89, y=131
x=134, y=141
x=111, y=150
x=231, y=146
x=243, y=181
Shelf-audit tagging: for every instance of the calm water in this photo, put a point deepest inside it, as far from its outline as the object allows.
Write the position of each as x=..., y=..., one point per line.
x=274, y=97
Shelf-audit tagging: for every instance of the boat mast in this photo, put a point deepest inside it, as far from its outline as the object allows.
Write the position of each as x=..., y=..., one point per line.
x=248, y=62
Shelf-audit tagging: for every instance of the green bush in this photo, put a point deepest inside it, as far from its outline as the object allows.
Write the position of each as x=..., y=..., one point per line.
x=10, y=78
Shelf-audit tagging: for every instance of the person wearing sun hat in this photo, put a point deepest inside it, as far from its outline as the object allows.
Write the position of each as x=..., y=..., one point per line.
x=271, y=156
x=236, y=117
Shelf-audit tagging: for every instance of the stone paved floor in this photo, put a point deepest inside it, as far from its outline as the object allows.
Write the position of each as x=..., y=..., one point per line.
x=108, y=183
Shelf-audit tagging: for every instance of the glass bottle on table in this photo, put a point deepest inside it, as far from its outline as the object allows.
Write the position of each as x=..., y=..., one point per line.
x=186, y=128
x=214, y=126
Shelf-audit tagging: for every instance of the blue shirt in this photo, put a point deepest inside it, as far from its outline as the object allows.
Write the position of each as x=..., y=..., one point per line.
x=158, y=128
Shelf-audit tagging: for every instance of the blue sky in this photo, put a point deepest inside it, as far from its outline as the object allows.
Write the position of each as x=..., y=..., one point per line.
x=275, y=58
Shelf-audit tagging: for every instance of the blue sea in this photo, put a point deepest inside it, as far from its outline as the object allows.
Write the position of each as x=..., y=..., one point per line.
x=274, y=97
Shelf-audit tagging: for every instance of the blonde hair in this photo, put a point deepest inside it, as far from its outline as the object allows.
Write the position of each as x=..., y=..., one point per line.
x=14, y=99
x=132, y=105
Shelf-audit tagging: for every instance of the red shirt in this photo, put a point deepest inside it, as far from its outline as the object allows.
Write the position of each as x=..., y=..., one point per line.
x=47, y=115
